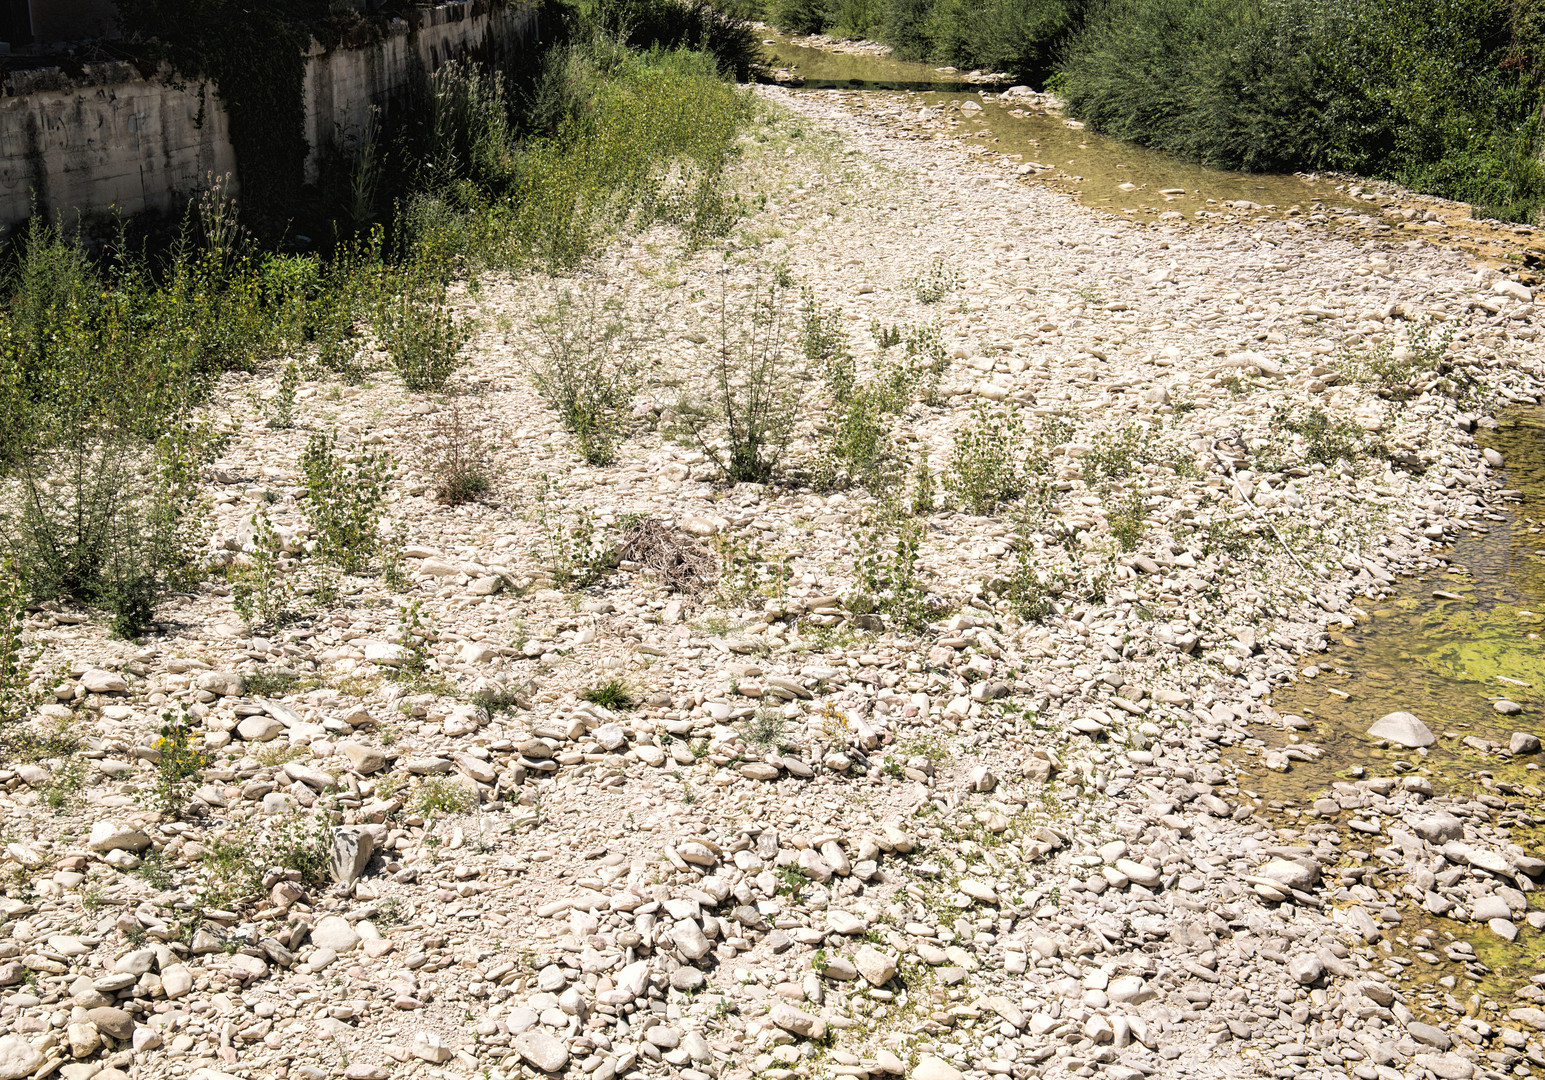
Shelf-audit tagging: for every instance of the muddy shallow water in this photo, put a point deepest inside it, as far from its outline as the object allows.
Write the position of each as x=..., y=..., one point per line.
x=1447, y=646
x=1082, y=161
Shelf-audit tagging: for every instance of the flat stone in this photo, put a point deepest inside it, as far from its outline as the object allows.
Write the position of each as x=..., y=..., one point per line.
x=1429, y=1035
x=176, y=980
x=1447, y=1066
x=1293, y=873
x=1439, y=828
x=1306, y=969
x=1403, y=729
x=876, y=967
x=350, y=854
x=1129, y=990
x=99, y=681
x=929, y=1067
x=1146, y=876
x=334, y=932
x=363, y=759
x=18, y=1058
x=223, y=683
x=796, y=1022
x=428, y=1046
x=259, y=728
x=541, y=1051
x=690, y=940
x=111, y=1021
x=110, y=835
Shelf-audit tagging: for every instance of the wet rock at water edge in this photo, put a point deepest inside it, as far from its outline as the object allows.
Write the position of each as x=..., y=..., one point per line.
x=1403, y=729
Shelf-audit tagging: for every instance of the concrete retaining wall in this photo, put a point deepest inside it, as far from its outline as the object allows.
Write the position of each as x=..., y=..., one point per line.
x=114, y=139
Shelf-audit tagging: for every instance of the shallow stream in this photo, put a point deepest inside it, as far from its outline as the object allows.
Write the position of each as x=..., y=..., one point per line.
x=1132, y=180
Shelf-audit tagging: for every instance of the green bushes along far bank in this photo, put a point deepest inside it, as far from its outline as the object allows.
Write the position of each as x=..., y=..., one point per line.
x=1441, y=95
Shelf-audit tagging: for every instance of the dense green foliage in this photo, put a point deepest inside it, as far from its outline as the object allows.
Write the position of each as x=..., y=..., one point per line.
x=1441, y=95
x=106, y=362
x=1437, y=95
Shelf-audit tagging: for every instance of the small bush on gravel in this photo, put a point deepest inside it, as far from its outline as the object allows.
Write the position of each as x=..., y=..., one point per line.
x=1401, y=372
x=989, y=466
x=16, y=656
x=1327, y=440
x=612, y=694
x=888, y=580
x=182, y=757
x=934, y=282
x=439, y=796
x=744, y=418
x=574, y=549
x=345, y=499
x=588, y=366
x=460, y=461
x=763, y=728
x=1127, y=518
x=422, y=337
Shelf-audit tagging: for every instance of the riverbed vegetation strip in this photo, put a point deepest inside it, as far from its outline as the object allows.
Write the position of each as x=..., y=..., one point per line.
x=106, y=361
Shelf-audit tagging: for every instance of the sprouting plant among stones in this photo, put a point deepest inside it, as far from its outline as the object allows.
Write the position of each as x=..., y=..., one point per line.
x=280, y=410
x=460, y=460
x=64, y=785
x=264, y=583
x=588, y=365
x=1326, y=440
x=613, y=694
x=345, y=498
x=441, y=797
x=991, y=463
x=743, y=418
x=1127, y=517
x=16, y=656
x=180, y=758
x=763, y=728
x=934, y=282
x=575, y=550
x=1401, y=371
x=888, y=581
x=422, y=335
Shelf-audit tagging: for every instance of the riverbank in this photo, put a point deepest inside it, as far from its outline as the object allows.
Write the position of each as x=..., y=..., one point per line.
x=817, y=840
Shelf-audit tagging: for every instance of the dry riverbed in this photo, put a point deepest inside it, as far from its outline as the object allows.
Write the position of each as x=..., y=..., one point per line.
x=821, y=845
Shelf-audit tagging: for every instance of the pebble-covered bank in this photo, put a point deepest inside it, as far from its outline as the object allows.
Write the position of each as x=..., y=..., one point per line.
x=821, y=844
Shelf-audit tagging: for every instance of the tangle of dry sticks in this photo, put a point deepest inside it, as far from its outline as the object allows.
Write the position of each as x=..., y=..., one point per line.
x=682, y=564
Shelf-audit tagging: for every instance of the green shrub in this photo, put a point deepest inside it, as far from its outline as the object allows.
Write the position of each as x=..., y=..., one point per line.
x=612, y=694
x=181, y=758
x=575, y=550
x=990, y=465
x=440, y=796
x=888, y=581
x=16, y=655
x=423, y=338
x=1439, y=95
x=588, y=365
x=744, y=418
x=802, y=16
x=345, y=498
x=720, y=30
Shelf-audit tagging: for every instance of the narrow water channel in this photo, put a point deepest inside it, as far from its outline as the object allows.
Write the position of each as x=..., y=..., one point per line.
x=1132, y=180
